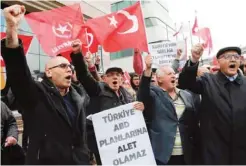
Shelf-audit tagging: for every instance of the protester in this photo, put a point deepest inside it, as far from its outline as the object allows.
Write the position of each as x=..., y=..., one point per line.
x=11, y=153
x=135, y=79
x=173, y=122
x=104, y=95
x=54, y=111
x=222, y=113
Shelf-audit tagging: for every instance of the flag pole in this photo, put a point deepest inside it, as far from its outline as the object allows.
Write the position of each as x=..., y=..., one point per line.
x=197, y=26
x=183, y=30
x=144, y=23
x=176, y=31
x=191, y=41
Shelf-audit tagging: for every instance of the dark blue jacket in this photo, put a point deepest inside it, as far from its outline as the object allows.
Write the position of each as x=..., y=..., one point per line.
x=164, y=122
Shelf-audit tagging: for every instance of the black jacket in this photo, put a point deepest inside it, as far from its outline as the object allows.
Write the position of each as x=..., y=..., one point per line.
x=52, y=138
x=164, y=122
x=102, y=97
x=222, y=115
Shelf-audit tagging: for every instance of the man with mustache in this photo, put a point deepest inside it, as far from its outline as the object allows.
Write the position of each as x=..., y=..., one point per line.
x=104, y=95
x=54, y=112
x=223, y=107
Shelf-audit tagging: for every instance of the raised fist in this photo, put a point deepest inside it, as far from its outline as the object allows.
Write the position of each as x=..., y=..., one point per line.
x=196, y=52
x=76, y=46
x=98, y=60
x=148, y=61
x=88, y=59
x=13, y=15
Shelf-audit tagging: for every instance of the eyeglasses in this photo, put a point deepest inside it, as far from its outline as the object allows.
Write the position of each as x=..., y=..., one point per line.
x=229, y=56
x=63, y=66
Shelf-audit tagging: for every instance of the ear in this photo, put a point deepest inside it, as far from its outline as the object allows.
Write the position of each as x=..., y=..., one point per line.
x=48, y=73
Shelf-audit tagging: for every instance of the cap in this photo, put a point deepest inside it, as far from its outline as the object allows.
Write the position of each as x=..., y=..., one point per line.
x=223, y=50
x=114, y=69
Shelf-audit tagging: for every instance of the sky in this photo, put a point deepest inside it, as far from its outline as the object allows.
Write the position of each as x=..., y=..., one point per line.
x=225, y=18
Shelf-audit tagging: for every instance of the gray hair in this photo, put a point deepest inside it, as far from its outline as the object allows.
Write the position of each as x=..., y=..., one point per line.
x=160, y=71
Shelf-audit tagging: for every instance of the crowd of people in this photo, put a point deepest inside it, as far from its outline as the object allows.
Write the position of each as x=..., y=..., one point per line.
x=196, y=115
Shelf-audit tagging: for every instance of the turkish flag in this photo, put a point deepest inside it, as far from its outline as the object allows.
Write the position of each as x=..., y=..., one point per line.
x=205, y=35
x=56, y=29
x=120, y=30
x=195, y=27
x=26, y=41
x=137, y=62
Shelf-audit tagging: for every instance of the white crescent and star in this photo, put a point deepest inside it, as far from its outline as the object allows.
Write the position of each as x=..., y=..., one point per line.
x=133, y=18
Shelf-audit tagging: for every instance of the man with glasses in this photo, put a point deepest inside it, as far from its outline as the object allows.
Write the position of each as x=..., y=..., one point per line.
x=54, y=112
x=223, y=107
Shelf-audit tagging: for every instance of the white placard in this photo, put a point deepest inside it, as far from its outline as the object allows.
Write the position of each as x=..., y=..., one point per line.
x=122, y=137
x=163, y=53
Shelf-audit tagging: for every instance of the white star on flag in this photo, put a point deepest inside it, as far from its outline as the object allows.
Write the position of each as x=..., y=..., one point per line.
x=113, y=21
x=62, y=29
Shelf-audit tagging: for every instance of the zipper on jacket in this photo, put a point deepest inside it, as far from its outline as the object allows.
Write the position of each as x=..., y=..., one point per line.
x=38, y=154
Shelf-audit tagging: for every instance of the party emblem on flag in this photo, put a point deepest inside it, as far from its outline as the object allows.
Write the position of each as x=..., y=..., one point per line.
x=133, y=18
x=63, y=30
x=90, y=40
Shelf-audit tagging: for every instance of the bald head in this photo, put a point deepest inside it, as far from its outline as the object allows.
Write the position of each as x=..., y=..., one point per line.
x=55, y=61
x=59, y=71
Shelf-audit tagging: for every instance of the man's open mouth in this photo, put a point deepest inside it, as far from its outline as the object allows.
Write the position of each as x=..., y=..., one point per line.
x=173, y=81
x=68, y=77
x=115, y=82
x=232, y=66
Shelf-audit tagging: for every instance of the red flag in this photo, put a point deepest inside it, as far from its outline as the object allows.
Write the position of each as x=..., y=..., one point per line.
x=195, y=27
x=126, y=78
x=120, y=30
x=91, y=44
x=205, y=35
x=137, y=62
x=57, y=28
x=26, y=41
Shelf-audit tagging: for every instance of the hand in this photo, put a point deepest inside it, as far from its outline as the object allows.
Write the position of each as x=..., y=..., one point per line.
x=148, y=61
x=179, y=53
x=76, y=46
x=13, y=15
x=201, y=71
x=138, y=106
x=196, y=52
x=88, y=59
x=10, y=141
x=97, y=60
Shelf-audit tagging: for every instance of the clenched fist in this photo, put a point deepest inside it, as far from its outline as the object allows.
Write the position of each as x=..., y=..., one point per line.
x=13, y=15
x=148, y=61
x=76, y=46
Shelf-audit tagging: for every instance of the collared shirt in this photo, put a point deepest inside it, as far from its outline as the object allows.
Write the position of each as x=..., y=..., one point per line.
x=232, y=78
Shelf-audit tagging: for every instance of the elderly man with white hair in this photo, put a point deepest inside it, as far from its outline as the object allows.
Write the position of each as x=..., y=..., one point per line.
x=171, y=111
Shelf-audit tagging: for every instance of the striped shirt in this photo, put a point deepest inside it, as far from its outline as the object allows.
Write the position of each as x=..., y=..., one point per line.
x=179, y=108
